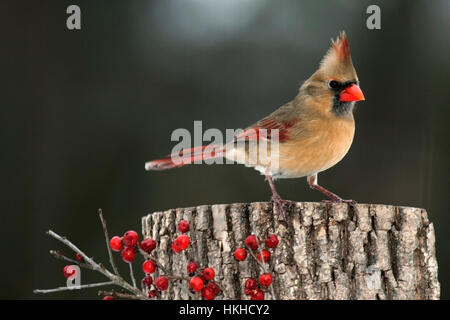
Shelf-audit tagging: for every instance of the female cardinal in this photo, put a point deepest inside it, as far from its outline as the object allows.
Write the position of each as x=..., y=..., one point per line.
x=315, y=130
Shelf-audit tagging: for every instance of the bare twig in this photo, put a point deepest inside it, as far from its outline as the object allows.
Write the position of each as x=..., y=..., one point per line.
x=265, y=270
x=150, y=257
x=188, y=292
x=60, y=256
x=132, y=275
x=262, y=264
x=256, y=259
x=84, y=286
x=119, y=295
x=105, y=231
x=115, y=278
x=118, y=280
x=145, y=254
x=176, y=278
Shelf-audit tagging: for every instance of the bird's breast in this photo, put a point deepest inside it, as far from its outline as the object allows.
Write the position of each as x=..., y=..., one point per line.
x=317, y=146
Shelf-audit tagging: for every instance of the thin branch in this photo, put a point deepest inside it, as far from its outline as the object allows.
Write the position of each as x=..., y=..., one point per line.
x=60, y=256
x=169, y=274
x=188, y=256
x=118, y=280
x=150, y=257
x=161, y=267
x=105, y=231
x=132, y=274
x=145, y=254
x=119, y=295
x=188, y=292
x=68, y=288
x=263, y=263
x=263, y=268
x=176, y=278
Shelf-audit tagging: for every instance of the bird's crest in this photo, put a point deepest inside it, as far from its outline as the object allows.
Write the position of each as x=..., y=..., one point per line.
x=340, y=46
x=338, y=60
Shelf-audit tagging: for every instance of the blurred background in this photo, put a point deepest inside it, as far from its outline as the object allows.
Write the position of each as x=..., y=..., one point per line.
x=81, y=111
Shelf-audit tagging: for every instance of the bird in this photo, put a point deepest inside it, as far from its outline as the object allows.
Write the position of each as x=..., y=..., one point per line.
x=313, y=132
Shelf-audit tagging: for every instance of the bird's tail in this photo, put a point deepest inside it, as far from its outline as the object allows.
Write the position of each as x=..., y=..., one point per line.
x=184, y=157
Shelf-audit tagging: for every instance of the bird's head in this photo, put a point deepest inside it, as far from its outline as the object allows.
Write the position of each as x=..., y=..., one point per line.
x=334, y=87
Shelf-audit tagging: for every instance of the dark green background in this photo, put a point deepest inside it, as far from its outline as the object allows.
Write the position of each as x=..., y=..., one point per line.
x=81, y=111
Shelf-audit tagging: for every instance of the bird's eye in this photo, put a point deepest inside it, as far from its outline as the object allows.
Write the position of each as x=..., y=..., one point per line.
x=333, y=84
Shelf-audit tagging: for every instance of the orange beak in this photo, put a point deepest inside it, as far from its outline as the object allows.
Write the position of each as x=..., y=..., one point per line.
x=352, y=93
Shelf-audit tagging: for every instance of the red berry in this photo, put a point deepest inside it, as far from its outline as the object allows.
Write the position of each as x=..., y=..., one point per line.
x=265, y=279
x=208, y=293
x=249, y=292
x=213, y=287
x=161, y=283
x=148, y=266
x=108, y=298
x=152, y=293
x=176, y=248
x=252, y=242
x=116, y=243
x=251, y=284
x=130, y=238
x=69, y=271
x=208, y=274
x=258, y=295
x=128, y=254
x=191, y=267
x=183, y=226
x=266, y=255
x=79, y=257
x=240, y=254
x=272, y=241
x=148, y=280
x=148, y=245
x=182, y=241
x=196, y=284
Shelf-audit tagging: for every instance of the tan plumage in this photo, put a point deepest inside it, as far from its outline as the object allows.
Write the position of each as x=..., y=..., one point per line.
x=315, y=129
x=320, y=136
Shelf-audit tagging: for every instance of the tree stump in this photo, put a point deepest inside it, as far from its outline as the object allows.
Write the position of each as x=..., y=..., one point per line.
x=326, y=251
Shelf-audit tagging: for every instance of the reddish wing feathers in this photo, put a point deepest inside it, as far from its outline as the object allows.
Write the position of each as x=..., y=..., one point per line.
x=254, y=133
x=186, y=156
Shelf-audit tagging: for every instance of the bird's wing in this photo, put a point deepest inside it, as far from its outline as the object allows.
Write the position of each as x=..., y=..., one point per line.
x=282, y=120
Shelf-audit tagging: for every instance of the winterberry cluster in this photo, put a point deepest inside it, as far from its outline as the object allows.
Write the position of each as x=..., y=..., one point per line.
x=129, y=245
x=252, y=288
x=200, y=281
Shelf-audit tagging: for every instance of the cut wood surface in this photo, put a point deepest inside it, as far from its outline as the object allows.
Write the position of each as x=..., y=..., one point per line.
x=326, y=251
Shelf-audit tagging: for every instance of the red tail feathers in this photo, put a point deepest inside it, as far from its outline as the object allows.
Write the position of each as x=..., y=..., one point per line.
x=184, y=157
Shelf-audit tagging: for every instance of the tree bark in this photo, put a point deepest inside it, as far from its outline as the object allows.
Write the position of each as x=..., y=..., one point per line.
x=326, y=251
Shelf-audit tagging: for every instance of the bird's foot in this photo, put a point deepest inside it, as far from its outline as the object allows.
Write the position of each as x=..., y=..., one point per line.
x=278, y=205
